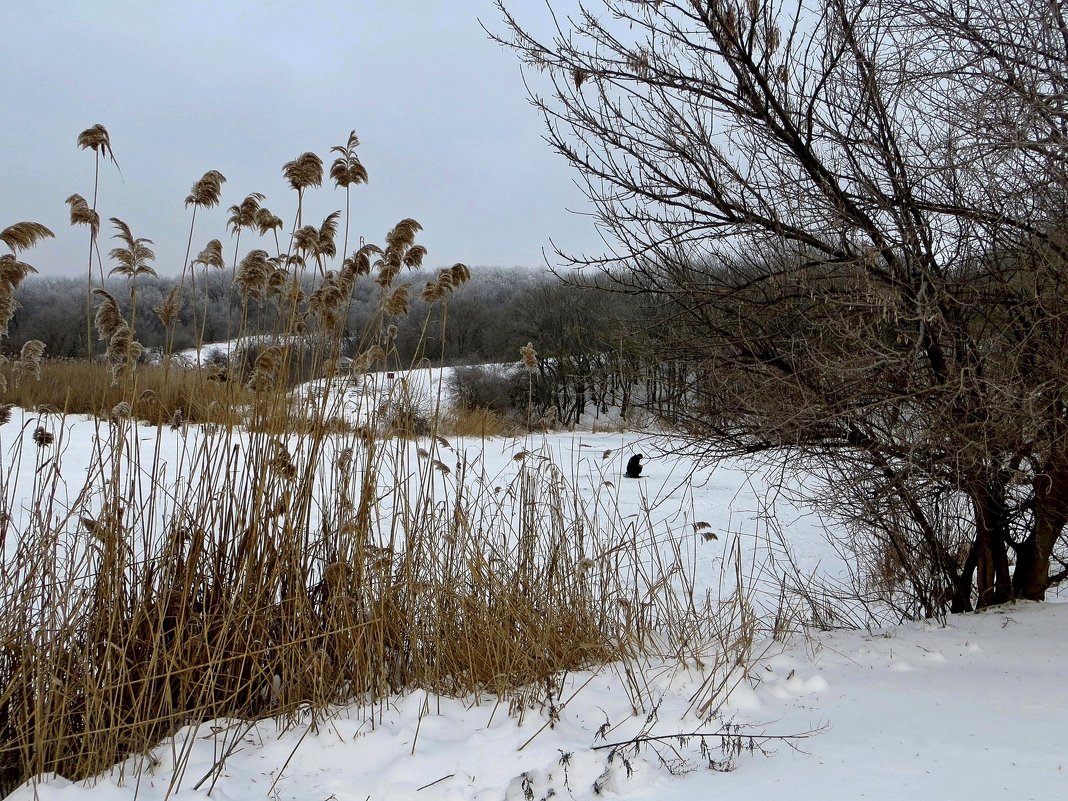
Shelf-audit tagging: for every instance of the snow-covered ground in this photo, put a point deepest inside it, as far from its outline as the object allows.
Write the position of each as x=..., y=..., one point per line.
x=971, y=710
x=975, y=709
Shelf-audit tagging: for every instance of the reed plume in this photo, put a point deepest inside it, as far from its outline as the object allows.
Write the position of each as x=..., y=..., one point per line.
x=396, y=303
x=12, y=271
x=207, y=191
x=29, y=361
x=253, y=274
x=328, y=301
x=24, y=235
x=8, y=307
x=318, y=242
x=211, y=255
x=123, y=351
x=461, y=274
x=81, y=214
x=134, y=257
x=448, y=279
x=389, y=267
x=347, y=171
x=167, y=311
x=529, y=357
x=108, y=318
x=243, y=215
x=360, y=261
x=265, y=370
x=403, y=234
x=98, y=140
x=413, y=258
x=306, y=170
x=266, y=221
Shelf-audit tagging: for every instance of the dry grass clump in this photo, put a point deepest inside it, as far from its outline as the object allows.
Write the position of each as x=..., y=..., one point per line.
x=480, y=423
x=157, y=395
x=275, y=579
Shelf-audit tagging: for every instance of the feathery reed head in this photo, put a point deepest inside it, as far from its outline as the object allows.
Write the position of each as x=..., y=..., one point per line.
x=98, y=140
x=29, y=362
x=243, y=214
x=461, y=274
x=304, y=171
x=42, y=437
x=108, y=318
x=211, y=255
x=123, y=352
x=403, y=234
x=134, y=257
x=529, y=357
x=448, y=279
x=389, y=267
x=8, y=307
x=23, y=235
x=13, y=271
x=81, y=214
x=413, y=257
x=360, y=261
x=167, y=311
x=253, y=274
x=266, y=221
x=347, y=170
x=396, y=302
x=265, y=369
x=207, y=190
x=5, y=413
x=435, y=291
x=328, y=301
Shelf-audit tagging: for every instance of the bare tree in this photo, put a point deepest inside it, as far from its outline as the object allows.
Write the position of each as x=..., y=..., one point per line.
x=851, y=216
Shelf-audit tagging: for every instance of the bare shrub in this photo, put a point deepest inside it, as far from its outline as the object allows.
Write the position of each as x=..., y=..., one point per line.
x=496, y=388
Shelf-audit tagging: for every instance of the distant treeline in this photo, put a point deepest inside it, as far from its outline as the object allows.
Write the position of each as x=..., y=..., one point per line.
x=592, y=352
x=493, y=315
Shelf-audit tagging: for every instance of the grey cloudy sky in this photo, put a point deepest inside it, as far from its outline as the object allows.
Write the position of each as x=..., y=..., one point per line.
x=244, y=86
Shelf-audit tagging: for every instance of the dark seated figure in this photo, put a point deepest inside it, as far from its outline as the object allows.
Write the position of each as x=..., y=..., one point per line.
x=634, y=466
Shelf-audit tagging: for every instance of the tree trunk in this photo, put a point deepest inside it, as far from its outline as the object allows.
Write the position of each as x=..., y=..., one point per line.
x=1051, y=514
x=993, y=581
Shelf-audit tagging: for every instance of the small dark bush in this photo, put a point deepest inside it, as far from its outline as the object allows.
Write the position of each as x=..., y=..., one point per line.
x=498, y=388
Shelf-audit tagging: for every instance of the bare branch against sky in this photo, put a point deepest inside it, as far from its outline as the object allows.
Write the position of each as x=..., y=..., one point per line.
x=447, y=133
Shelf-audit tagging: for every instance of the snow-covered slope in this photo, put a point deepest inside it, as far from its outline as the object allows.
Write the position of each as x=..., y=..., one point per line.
x=975, y=709
x=971, y=710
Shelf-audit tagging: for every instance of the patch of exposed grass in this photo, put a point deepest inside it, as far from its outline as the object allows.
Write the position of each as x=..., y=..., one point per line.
x=154, y=393
x=481, y=423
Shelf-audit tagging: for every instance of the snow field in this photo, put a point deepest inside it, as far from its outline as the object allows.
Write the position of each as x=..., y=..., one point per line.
x=969, y=710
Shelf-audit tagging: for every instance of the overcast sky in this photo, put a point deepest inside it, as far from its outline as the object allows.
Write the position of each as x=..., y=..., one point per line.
x=448, y=135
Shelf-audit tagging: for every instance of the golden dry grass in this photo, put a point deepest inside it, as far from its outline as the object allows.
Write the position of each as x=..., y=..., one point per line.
x=480, y=423
x=153, y=392
x=249, y=597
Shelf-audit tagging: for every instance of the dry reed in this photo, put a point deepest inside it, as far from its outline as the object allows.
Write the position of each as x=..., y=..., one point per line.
x=281, y=557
